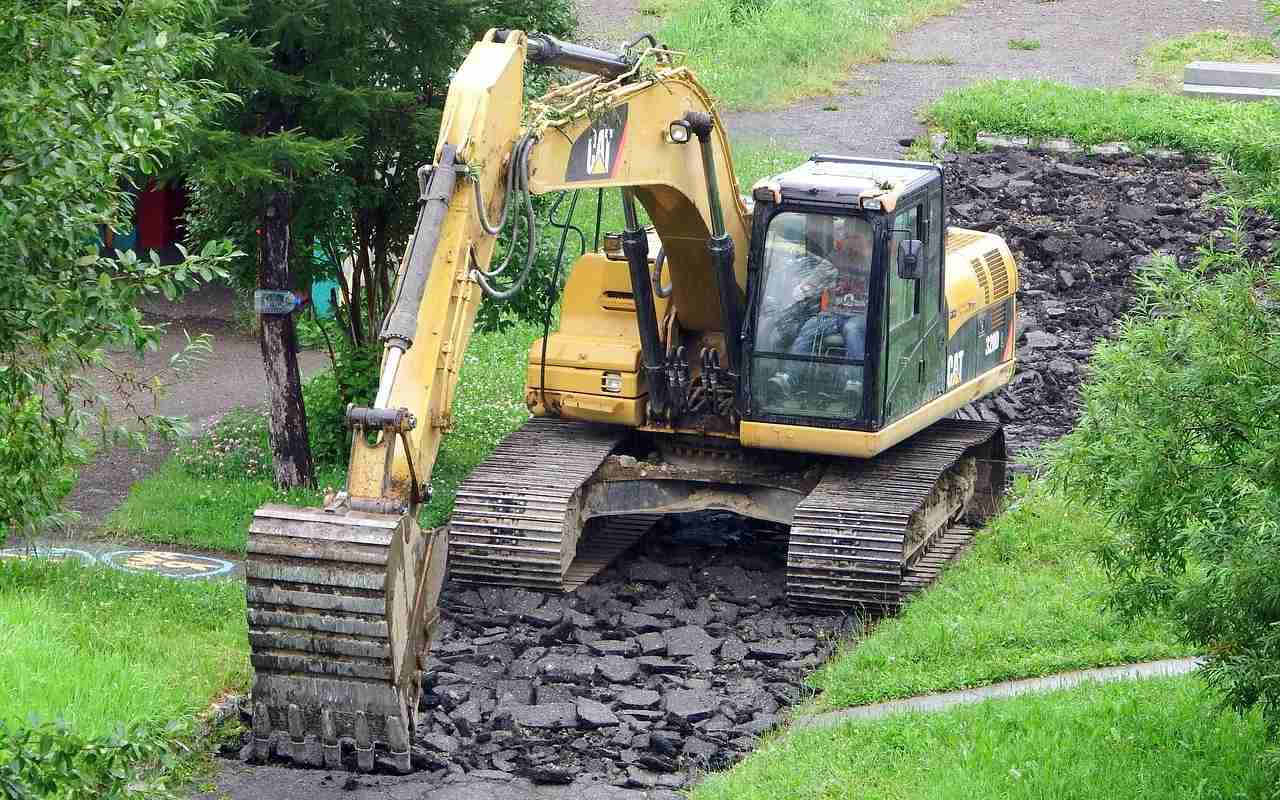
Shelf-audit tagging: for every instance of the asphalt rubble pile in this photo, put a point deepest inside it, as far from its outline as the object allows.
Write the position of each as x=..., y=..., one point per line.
x=674, y=661
x=1080, y=228
x=659, y=668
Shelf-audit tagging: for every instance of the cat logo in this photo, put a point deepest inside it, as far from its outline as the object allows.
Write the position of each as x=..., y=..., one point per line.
x=597, y=150
x=955, y=368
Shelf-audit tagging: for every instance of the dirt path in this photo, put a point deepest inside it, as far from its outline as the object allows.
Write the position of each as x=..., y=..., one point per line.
x=610, y=23
x=1083, y=42
x=228, y=377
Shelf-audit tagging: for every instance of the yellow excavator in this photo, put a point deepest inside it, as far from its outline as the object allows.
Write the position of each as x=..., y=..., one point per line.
x=797, y=355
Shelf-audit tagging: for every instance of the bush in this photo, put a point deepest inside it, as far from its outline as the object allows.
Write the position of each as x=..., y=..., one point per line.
x=235, y=447
x=1179, y=438
x=353, y=378
x=51, y=760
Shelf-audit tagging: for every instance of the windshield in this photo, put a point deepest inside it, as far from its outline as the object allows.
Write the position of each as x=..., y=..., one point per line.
x=811, y=324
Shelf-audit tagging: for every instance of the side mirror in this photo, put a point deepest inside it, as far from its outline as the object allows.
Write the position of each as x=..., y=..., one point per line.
x=910, y=259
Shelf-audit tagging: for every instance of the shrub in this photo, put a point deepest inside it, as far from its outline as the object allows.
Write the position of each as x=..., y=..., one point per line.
x=51, y=760
x=1179, y=438
x=235, y=447
x=353, y=378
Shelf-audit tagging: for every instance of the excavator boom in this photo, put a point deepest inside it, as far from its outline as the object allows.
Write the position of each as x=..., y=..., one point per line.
x=342, y=599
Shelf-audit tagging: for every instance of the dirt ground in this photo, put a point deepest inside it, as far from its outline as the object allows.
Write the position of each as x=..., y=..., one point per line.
x=1083, y=42
x=229, y=376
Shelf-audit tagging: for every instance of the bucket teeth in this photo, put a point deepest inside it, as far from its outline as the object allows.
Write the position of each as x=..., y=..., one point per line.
x=340, y=608
x=261, y=733
x=364, y=744
x=398, y=744
x=329, y=740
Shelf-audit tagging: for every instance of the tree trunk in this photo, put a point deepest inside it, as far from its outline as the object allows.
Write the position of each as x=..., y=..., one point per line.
x=289, y=446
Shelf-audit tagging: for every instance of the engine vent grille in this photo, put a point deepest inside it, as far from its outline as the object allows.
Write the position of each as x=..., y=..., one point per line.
x=997, y=274
x=957, y=239
x=983, y=280
x=999, y=317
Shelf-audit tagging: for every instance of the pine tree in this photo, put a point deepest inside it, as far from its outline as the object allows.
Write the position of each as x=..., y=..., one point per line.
x=341, y=105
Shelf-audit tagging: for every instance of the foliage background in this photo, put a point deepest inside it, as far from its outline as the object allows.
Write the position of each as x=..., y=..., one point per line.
x=94, y=98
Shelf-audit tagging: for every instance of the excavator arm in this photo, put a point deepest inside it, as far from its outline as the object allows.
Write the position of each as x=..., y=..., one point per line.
x=342, y=599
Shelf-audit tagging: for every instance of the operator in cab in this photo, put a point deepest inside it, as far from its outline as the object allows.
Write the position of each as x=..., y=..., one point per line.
x=819, y=303
x=838, y=278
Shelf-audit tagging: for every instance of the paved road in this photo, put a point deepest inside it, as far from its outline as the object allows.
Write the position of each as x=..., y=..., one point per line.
x=1083, y=42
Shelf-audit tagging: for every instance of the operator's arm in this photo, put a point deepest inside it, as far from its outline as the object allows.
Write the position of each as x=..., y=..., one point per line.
x=813, y=275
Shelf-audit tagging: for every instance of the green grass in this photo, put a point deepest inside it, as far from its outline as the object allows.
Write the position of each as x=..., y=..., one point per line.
x=1157, y=738
x=1024, y=44
x=98, y=646
x=656, y=8
x=1247, y=132
x=1027, y=601
x=932, y=61
x=766, y=53
x=1161, y=64
x=171, y=506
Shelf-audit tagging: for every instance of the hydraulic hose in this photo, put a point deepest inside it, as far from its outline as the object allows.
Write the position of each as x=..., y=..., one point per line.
x=520, y=168
x=554, y=285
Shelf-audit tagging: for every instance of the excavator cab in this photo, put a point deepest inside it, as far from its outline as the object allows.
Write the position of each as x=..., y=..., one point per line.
x=843, y=329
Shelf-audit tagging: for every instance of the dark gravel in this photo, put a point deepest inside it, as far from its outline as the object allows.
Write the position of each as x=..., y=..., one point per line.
x=668, y=664
x=1080, y=227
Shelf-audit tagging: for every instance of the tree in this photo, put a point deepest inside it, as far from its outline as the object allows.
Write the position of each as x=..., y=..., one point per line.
x=92, y=99
x=342, y=105
x=1179, y=439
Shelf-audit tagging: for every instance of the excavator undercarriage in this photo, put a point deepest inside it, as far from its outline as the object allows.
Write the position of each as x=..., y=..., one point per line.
x=558, y=499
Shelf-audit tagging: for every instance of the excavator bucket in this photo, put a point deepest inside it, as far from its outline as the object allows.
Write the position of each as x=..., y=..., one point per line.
x=341, y=609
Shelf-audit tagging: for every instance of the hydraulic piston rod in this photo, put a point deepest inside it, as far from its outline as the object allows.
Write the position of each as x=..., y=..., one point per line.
x=550, y=51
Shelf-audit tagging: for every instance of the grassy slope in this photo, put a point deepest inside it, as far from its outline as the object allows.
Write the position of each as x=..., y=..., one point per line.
x=1247, y=132
x=172, y=506
x=766, y=53
x=1159, y=738
x=1026, y=602
x=97, y=646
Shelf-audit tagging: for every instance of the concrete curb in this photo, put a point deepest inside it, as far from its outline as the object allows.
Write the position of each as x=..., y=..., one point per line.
x=1049, y=683
x=938, y=141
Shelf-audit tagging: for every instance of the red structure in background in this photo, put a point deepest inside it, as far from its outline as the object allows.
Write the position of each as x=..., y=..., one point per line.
x=157, y=222
x=158, y=214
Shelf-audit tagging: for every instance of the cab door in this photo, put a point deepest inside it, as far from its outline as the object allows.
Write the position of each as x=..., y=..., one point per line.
x=933, y=316
x=906, y=358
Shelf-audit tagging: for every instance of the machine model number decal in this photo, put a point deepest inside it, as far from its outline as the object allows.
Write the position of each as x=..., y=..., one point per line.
x=993, y=342
x=596, y=152
x=955, y=368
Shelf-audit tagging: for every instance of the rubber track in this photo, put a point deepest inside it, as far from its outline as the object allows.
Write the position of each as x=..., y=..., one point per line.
x=847, y=542
x=516, y=517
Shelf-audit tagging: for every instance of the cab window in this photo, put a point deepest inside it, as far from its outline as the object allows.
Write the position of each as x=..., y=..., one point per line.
x=904, y=295
x=811, y=319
